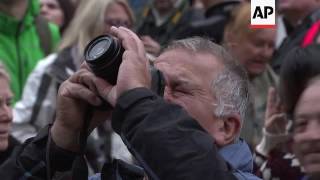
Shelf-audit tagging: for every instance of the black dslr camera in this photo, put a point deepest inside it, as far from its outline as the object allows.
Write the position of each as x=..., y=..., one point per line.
x=104, y=56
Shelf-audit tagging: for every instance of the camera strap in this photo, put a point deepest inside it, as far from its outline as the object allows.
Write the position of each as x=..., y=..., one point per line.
x=80, y=167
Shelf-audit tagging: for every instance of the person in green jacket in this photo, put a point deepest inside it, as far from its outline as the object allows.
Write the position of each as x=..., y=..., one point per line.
x=25, y=38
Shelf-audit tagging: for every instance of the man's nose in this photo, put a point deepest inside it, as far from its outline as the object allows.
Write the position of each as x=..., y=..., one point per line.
x=266, y=52
x=44, y=10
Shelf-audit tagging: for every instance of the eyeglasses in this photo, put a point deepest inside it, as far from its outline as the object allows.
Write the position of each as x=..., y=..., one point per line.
x=117, y=23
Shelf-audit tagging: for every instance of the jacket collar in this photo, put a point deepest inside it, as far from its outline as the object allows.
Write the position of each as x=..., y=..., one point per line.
x=238, y=155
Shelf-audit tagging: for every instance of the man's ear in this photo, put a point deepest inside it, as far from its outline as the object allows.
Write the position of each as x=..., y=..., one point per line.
x=229, y=129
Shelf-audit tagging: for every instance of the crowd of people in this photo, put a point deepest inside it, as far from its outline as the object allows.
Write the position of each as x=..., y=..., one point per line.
x=237, y=102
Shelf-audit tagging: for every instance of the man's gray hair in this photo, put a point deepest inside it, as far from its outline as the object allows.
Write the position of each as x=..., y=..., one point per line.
x=231, y=91
x=198, y=45
x=230, y=86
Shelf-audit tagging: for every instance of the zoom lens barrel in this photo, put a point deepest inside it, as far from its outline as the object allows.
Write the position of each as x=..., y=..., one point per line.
x=104, y=56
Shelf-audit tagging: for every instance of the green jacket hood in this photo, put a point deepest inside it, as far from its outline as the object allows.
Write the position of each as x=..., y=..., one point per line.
x=9, y=24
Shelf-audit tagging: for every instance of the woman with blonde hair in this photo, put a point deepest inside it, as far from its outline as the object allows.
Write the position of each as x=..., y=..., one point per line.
x=94, y=18
x=253, y=49
x=38, y=104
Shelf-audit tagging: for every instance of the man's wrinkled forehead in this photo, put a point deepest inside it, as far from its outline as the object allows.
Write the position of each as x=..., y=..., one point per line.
x=181, y=64
x=202, y=60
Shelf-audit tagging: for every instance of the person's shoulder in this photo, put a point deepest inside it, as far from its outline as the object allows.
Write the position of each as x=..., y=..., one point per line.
x=42, y=67
x=46, y=62
x=13, y=142
x=313, y=17
x=246, y=176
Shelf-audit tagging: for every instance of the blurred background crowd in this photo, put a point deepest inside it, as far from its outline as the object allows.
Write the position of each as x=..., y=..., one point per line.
x=42, y=44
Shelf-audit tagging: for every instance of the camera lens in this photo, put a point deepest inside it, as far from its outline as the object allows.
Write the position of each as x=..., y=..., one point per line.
x=104, y=56
x=99, y=48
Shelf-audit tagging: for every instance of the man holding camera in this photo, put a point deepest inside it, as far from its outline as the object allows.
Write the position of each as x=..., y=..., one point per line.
x=190, y=133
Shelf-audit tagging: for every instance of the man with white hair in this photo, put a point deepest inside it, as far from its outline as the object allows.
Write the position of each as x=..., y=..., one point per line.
x=190, y=133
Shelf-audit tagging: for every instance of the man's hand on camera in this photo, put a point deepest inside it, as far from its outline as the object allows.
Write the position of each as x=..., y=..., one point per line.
x=83, y=89
x=74, y=97
x=134, y=69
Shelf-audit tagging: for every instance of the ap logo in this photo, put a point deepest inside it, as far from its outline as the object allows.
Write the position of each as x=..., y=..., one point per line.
x=263, y=14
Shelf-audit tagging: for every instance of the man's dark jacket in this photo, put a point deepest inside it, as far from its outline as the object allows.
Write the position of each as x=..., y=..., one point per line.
x=168, y=31
x=294, y=40
x=168, y=143
x=6, y=154
x=216, y=18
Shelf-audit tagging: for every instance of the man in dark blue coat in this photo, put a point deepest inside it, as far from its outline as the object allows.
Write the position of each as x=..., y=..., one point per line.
x=190, y=133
